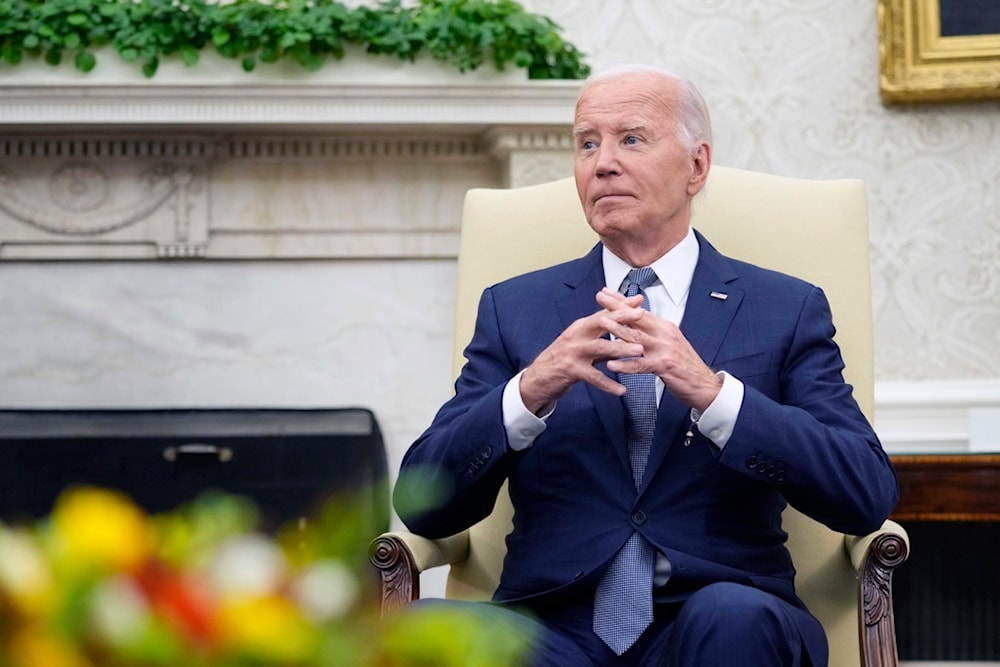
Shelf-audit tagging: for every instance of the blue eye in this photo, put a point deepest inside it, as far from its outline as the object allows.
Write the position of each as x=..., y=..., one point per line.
x=631, y=140
x=587, y=145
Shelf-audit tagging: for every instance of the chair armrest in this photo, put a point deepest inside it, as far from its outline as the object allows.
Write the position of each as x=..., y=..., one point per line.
x=399, y=557
x=888, y=536
x=875, y=557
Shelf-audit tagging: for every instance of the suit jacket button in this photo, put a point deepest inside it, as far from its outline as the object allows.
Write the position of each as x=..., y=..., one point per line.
x=638, y=517
x=751, y=462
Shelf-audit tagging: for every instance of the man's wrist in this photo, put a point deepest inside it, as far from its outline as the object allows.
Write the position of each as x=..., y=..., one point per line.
x=521, y=424
x=718, y=420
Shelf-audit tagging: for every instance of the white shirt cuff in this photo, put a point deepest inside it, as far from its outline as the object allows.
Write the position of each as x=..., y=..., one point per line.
x=522, y=425
x=719, y=419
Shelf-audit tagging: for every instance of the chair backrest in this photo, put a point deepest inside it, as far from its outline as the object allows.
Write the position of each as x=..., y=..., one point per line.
x=816, y=230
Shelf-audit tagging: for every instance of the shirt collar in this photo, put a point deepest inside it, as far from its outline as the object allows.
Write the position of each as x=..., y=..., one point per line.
x=674, y=270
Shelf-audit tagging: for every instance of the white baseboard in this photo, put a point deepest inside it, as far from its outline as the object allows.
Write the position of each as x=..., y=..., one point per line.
x=937, y=416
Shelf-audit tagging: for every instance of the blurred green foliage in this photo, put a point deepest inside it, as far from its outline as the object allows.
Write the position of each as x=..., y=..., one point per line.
x=463, y=33
x=100, y=583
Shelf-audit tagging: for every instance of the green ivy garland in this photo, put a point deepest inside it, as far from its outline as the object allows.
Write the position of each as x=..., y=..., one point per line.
x=464, y=33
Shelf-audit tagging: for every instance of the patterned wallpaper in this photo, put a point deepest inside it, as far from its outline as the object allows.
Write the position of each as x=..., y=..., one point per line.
x=793, y=86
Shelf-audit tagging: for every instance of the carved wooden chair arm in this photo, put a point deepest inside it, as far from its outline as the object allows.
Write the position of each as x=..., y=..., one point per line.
x=399, y=558
x=875, y=557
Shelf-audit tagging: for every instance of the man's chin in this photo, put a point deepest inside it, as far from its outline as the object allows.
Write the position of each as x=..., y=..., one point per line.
x=611, y=226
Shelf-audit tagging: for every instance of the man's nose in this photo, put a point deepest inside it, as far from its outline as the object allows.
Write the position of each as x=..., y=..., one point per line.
x=607, y=163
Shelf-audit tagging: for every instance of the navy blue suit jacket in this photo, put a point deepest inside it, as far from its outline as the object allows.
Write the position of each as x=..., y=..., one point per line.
x=800, y=438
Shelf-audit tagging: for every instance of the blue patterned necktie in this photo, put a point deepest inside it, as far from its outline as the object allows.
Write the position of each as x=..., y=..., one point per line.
x=623, y=601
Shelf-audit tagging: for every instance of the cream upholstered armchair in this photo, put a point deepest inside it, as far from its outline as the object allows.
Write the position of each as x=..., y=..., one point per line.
x=817, y=230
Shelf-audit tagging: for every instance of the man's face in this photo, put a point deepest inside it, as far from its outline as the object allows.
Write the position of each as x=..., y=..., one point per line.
x=634, y=175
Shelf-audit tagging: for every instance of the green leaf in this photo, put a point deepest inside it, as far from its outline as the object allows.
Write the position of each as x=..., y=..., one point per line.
x=189, y=56
x=149, y=68
x=287, y=40
x=76, y=19
x=314, y=62
x=11, y=53
x=269, y=54
x=85, y=61
x=220, y=36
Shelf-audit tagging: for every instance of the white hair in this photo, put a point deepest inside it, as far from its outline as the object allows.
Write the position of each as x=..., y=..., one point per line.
x=693, y=120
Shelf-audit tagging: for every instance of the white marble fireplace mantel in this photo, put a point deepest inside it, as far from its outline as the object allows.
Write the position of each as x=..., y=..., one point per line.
x=358, y=165
x=456, y=105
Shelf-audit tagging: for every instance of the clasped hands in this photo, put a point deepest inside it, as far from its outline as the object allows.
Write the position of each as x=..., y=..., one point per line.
x=640, y=342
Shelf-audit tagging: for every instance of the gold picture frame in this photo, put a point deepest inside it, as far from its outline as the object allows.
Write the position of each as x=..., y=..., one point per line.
x=918, y=64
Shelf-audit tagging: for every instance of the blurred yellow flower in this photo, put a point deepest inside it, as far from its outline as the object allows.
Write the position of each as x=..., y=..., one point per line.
x=100, y=528
x=35, y=646
x=267, y=628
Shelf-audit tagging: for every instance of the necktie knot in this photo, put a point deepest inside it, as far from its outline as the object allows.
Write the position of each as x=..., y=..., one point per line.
x=638, y=280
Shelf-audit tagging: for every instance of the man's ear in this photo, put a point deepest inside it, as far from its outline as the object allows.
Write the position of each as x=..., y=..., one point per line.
x=701, y=162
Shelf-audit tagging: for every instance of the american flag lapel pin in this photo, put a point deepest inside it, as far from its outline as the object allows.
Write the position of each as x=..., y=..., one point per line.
x=721, y=296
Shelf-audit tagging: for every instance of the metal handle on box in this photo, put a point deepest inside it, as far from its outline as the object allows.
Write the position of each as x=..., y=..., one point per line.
x=172, y=453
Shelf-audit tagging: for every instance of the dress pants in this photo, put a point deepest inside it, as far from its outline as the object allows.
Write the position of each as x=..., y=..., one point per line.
x=720, y=625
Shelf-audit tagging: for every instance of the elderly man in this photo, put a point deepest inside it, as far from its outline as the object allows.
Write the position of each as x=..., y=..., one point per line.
x=654, y=405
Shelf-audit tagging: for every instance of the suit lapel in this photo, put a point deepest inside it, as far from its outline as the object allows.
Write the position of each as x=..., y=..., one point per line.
x=578, y=301
x=713, y=301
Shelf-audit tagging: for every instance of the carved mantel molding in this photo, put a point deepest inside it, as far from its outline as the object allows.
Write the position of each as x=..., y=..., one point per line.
x=283, y=170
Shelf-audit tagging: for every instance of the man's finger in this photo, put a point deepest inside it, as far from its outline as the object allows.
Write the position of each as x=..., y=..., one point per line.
x=605, y=349
x=612, y=300
x=603, y=382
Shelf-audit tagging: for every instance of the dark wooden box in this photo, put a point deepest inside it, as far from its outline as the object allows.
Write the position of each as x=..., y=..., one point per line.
x=288, y=461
